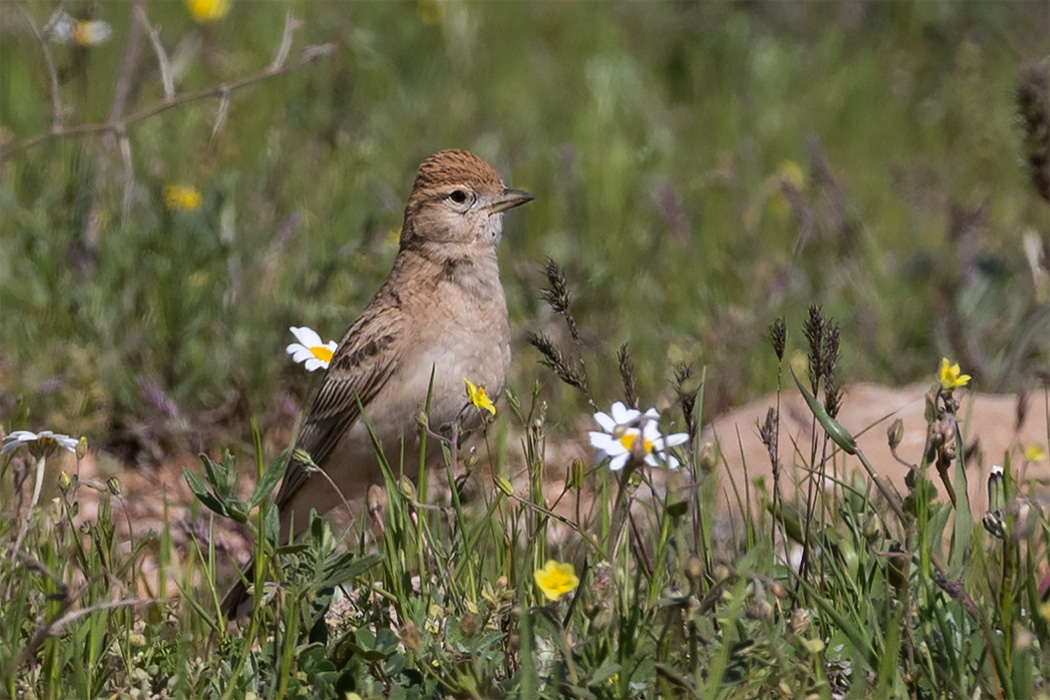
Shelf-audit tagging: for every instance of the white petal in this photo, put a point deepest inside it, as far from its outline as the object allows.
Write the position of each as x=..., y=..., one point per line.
x=676, y=439
x=299, y=353
x=331, y=346
x=605, y=421
x=599, y=440
x=314, y=364
x=651, y=431
x=21, y=435
x=611, y=446
x=67, y=442
x=618, y=462
x=623, y=415
x=306, y=336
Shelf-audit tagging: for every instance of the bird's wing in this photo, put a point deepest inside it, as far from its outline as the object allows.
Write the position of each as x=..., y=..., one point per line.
x=363, y=363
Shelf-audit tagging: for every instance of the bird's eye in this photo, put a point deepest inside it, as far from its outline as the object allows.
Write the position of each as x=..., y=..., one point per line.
x=458, y=196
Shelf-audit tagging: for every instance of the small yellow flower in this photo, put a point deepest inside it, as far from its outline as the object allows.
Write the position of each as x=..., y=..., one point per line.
x=789, y=174
x=556, y=579
x=950, y=377
x=182, y=197
x=479, y=398
x=1035, y=453
x=207, y=11
x=430, y=12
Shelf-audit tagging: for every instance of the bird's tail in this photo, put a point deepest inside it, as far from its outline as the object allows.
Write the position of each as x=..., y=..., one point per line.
x=237, y=600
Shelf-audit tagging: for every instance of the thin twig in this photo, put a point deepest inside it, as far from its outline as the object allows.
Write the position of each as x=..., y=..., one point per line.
x=283, y=49
x=220, y=115
x=129, y=172
x=309, y=55
x=128, y=64
x=158, y=49
x=52, y=73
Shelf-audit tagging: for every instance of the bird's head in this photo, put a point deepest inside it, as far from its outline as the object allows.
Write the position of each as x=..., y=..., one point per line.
x=458, y=198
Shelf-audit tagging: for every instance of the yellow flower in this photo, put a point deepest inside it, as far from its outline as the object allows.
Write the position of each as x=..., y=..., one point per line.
x=556, y=579
x=789, y=174
x=950, y=377
x=1035, y=453
x=182, y=197
x=479, y=398
x=430, y=12
x=207, y=11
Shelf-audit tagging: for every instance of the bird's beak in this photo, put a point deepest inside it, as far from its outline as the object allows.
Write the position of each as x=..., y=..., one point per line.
x=509, y=199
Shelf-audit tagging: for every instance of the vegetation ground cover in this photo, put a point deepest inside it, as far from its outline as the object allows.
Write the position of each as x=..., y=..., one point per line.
x=701, y=170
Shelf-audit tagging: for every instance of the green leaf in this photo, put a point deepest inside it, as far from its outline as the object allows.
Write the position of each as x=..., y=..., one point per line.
x=200, y=490
x=960, y=545
x=346, y=568
x=266, y=484
x=832, y=427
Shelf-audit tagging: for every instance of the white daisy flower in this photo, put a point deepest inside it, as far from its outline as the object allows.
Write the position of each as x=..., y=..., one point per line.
x=310, y=350
x=622, y=430
x=40, y=444
x=65, y=29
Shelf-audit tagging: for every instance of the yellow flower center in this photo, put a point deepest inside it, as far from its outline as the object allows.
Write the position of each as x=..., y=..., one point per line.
x=322, y=353
x=627, y=440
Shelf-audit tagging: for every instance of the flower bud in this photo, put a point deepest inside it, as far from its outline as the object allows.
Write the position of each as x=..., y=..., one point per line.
x=895, y=433
x=113, y=485
x=55, y=511
x=574, y=475
x=407, y=488
x=82, y=447
x=504, y=485
x=800, y=620
x=708, y=457
x=996, y=488
x=64, y=481
x=694, y=568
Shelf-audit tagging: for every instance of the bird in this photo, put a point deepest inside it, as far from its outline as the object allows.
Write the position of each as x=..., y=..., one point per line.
x=439, y=318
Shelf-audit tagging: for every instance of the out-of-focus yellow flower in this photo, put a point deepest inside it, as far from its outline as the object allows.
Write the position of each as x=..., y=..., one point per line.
x=207, y=11
x=791, y=174
x=182, y=197
x=479, y=398
x=430, y=12
x=1035, y=453
x=950, y=376
x=556, y=579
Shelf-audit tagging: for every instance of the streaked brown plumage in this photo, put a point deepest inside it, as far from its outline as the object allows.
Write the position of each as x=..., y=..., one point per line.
x=441, y=311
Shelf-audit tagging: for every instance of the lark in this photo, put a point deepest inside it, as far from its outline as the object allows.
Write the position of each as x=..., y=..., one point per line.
x=440, y=318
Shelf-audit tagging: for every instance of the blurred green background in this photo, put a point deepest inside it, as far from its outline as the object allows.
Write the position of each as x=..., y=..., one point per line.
x=699, y=169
